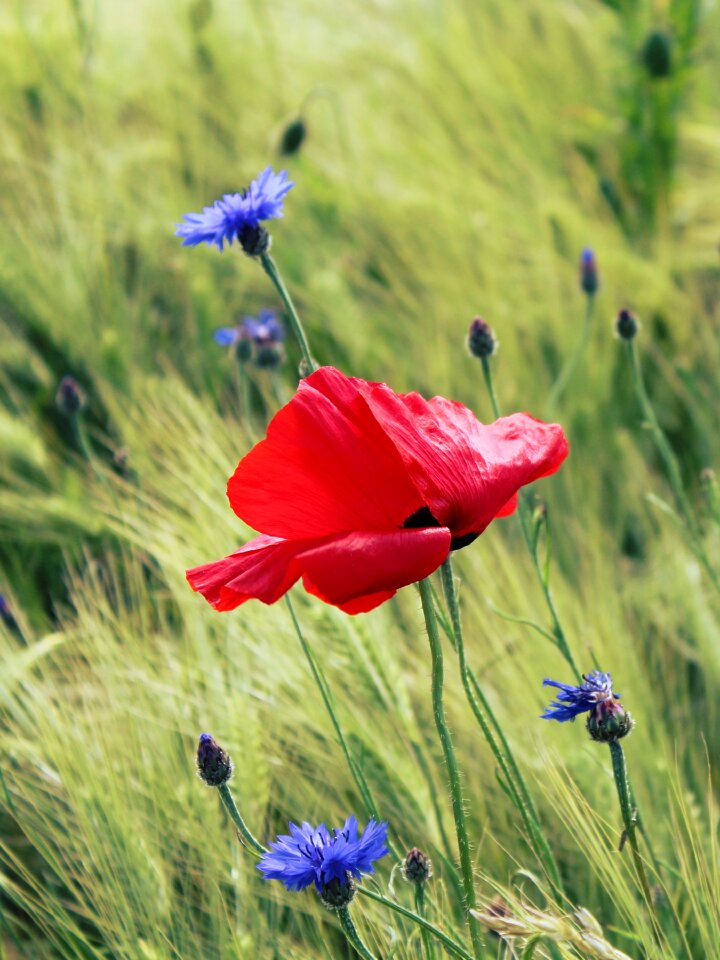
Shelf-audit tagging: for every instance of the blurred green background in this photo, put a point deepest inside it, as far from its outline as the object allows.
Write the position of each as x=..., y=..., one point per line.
x=458, y=156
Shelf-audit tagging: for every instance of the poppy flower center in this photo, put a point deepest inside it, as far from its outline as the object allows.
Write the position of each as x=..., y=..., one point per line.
x=425, y=518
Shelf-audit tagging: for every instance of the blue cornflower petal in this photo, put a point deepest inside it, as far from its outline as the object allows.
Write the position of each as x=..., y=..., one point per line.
x=587, y=257
x=265, y=328
x=263, y=200
x=315, y=855
x=226, y=336
x=575, y=699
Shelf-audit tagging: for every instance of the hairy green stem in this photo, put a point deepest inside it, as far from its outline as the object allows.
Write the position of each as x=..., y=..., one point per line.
x=466, y=867
x=322, y=685
x=244, y=834
x=352, y=935
x=569, y=369
x=428, y=945
x=270, y=268
x=671, y=466
x=495, y=736
x=451, y=946
x=629, y=816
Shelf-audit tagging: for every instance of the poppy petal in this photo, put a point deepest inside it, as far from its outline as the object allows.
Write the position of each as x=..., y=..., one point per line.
x=467, y=471
x=361, y=570
x=325, y=467
x=356, y=571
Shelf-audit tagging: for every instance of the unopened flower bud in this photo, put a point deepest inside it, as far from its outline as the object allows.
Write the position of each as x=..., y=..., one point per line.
x=481, y=340
x=657, y=54
x=268, y=356
x=243, y=348
x=254, y=239
x=293, y=137
x=589, y=281
x=417, y=867
x=338, y=893
x=214, y=765
x=70, y=398
x=609, y=721
x=626, y=324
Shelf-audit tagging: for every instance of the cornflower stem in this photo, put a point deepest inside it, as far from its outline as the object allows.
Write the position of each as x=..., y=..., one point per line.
x=671, y=465
x=495, y=736
x=466, y=867
x=244, y=834
x=352, y=935
x=428, y=945
x=629, y=817
x=450, y=945
x=322, y=685
x=573, y=362
x=270, y=268
x=560, y=639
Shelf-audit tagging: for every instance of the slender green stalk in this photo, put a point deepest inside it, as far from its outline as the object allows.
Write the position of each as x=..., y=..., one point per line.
x=270, y=268
x=246, y=838
x=560, y=639
x=495, y=736
x=452, y=946
x=629, y=816
x=573, y=362
x=428, y=945
x=466, y=867
x=322, y=685
x=352, y=935
x=671, y=465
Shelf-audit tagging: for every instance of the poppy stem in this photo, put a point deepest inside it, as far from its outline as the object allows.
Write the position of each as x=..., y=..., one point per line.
x=671, y=465
x=495, y=736
x=270, y=268
x=244, y=835
x=352, y=935
x=458, y=808
x=568, y=370
x=450, y=945
x=324, y=688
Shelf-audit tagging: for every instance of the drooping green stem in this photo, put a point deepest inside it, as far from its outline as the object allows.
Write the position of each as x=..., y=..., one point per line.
x=428, y=945
x=352, y=935
x=576, y=357
x=495, y=736
x=466, y=867
x=244, y=834
x=322, y=685
x=270, y=268
x=671, y=466
x=629, y=816
x=450, y=945
x=560, y=639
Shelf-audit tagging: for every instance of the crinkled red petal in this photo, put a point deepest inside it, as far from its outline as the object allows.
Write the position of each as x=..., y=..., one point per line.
x=355, y=571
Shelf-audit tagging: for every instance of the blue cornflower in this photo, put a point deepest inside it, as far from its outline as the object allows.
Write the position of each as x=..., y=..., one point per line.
x=265, y=328
x=581, y=698
x=259, y=337
x=238, y=216
x=332, y=861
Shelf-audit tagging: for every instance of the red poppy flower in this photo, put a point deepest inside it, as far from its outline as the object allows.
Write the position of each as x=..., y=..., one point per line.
x=360, y=491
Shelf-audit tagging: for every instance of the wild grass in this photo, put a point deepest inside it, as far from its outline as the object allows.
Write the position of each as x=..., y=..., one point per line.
x=457, y=160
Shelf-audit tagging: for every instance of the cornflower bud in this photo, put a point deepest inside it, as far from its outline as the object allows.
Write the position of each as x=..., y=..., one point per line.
x=589, y=280
x=481, y=340
x=70, y=398
x=214, y=765
x=626, y=324
x=417, y=867
x=337, y=894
